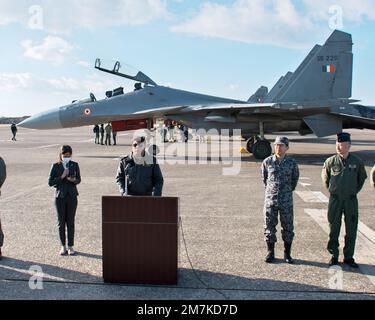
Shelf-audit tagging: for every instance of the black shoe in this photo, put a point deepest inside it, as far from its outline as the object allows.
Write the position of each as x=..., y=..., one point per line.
x=351, y=263
x=271, y=253
x=287, y=257
x=334, y=262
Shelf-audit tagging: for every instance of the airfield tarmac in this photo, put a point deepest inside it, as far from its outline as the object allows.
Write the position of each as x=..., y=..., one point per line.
x=221, y=218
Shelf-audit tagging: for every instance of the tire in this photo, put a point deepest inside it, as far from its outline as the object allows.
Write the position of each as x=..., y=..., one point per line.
x=246, y=137
x=250, y=145
x=262, y=149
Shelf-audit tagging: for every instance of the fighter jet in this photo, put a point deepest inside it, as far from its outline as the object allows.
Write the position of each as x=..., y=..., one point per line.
x=313, y=99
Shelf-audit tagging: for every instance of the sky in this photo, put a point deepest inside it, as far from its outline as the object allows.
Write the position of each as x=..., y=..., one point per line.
x=227, y=48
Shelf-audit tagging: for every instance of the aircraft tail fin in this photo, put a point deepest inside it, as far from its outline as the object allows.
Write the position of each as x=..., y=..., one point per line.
x=259, y=96
x=275, y=91
x=326, y=73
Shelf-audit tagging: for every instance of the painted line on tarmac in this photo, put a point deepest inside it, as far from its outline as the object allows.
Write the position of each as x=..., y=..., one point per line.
x=305, y=184
x=46, y=276
x=365, y=245
x=45, y=147
x=312, y=196
x=23, y=194
x=11, y=141
x=84, y=141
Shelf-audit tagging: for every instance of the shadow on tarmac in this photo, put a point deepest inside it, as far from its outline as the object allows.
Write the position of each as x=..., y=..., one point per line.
x=225, y=284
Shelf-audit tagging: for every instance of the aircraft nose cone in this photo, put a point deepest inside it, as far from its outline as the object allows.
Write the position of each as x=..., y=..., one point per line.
x=43, y=121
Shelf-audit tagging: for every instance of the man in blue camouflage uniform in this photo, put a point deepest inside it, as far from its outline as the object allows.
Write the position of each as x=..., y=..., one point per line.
x=280, y=176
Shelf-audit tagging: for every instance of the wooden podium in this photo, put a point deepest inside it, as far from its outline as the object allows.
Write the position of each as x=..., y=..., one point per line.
x=140, y=240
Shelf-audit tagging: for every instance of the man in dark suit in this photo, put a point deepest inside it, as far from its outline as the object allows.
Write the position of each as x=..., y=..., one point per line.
x=64, y=177
x=139, y=173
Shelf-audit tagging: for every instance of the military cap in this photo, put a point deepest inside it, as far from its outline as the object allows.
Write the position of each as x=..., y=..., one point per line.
x=344, y=137
x=282, y=140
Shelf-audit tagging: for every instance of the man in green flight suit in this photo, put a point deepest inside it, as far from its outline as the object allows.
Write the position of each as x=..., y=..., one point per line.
x=343, y=175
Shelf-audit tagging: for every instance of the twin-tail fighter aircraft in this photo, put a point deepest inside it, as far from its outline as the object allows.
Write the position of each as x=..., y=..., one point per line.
x=313, y=99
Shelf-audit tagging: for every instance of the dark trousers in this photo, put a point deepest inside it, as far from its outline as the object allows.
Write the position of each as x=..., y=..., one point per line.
x=97, y=138
x=102, y=138
x=14, y=135
x=114, y=136
x=66, y=211
x=336, y=208
x=1, y=236
x=108, y=139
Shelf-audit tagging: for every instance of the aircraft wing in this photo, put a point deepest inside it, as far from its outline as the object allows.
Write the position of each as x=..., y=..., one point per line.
x=266, y=108
x=161, y=111
x=222, y=107
x=350, y=117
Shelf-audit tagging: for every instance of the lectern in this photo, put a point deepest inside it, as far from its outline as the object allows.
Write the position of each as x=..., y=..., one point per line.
x=140, y=240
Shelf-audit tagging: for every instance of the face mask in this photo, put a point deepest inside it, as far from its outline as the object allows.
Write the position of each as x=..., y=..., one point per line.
x=66, y=161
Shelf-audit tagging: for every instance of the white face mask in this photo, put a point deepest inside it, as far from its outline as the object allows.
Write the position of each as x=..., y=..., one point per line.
x=66, y=161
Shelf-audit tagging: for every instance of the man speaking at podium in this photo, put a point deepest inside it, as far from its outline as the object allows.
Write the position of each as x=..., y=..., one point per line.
x=139, y=174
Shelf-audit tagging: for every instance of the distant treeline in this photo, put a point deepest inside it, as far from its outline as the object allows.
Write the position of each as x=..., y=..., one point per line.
x=16, y=120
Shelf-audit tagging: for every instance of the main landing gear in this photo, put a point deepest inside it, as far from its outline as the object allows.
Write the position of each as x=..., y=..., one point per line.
x=258, y=145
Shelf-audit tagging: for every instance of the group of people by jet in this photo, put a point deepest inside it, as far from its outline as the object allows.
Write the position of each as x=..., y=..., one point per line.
x=106, y=132
x=169, y=129
x=139, y=174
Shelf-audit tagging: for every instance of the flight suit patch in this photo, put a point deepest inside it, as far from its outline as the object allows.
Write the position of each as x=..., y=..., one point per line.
x=336, y=170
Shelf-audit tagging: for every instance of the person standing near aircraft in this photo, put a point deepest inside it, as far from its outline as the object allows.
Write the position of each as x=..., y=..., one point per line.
x=114, y=136
x=185, y=131
x=139, y=173
x=96, y=130
x=280, y=176
x=108, y=133
x=3, y=176
x=102, y=134
x=14, y=130
x=64, y=177
x=171, y=127
x=343, y=175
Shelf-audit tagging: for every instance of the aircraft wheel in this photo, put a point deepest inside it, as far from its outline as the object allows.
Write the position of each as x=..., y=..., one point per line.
x=246, y=137
x=262, y=149
x=250, y=145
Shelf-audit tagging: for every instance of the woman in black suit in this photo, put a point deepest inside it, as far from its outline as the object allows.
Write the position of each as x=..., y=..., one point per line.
x=64, y=177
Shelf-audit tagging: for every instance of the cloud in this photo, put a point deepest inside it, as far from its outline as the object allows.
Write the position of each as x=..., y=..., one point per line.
x=79, y=86
x=43, y=93
x=233, y=87
x=356, y=12
x=285, y=23
x=52, y=49
x=13, y=81
x=72, y=87
x=64, y=16
x=83, y=63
